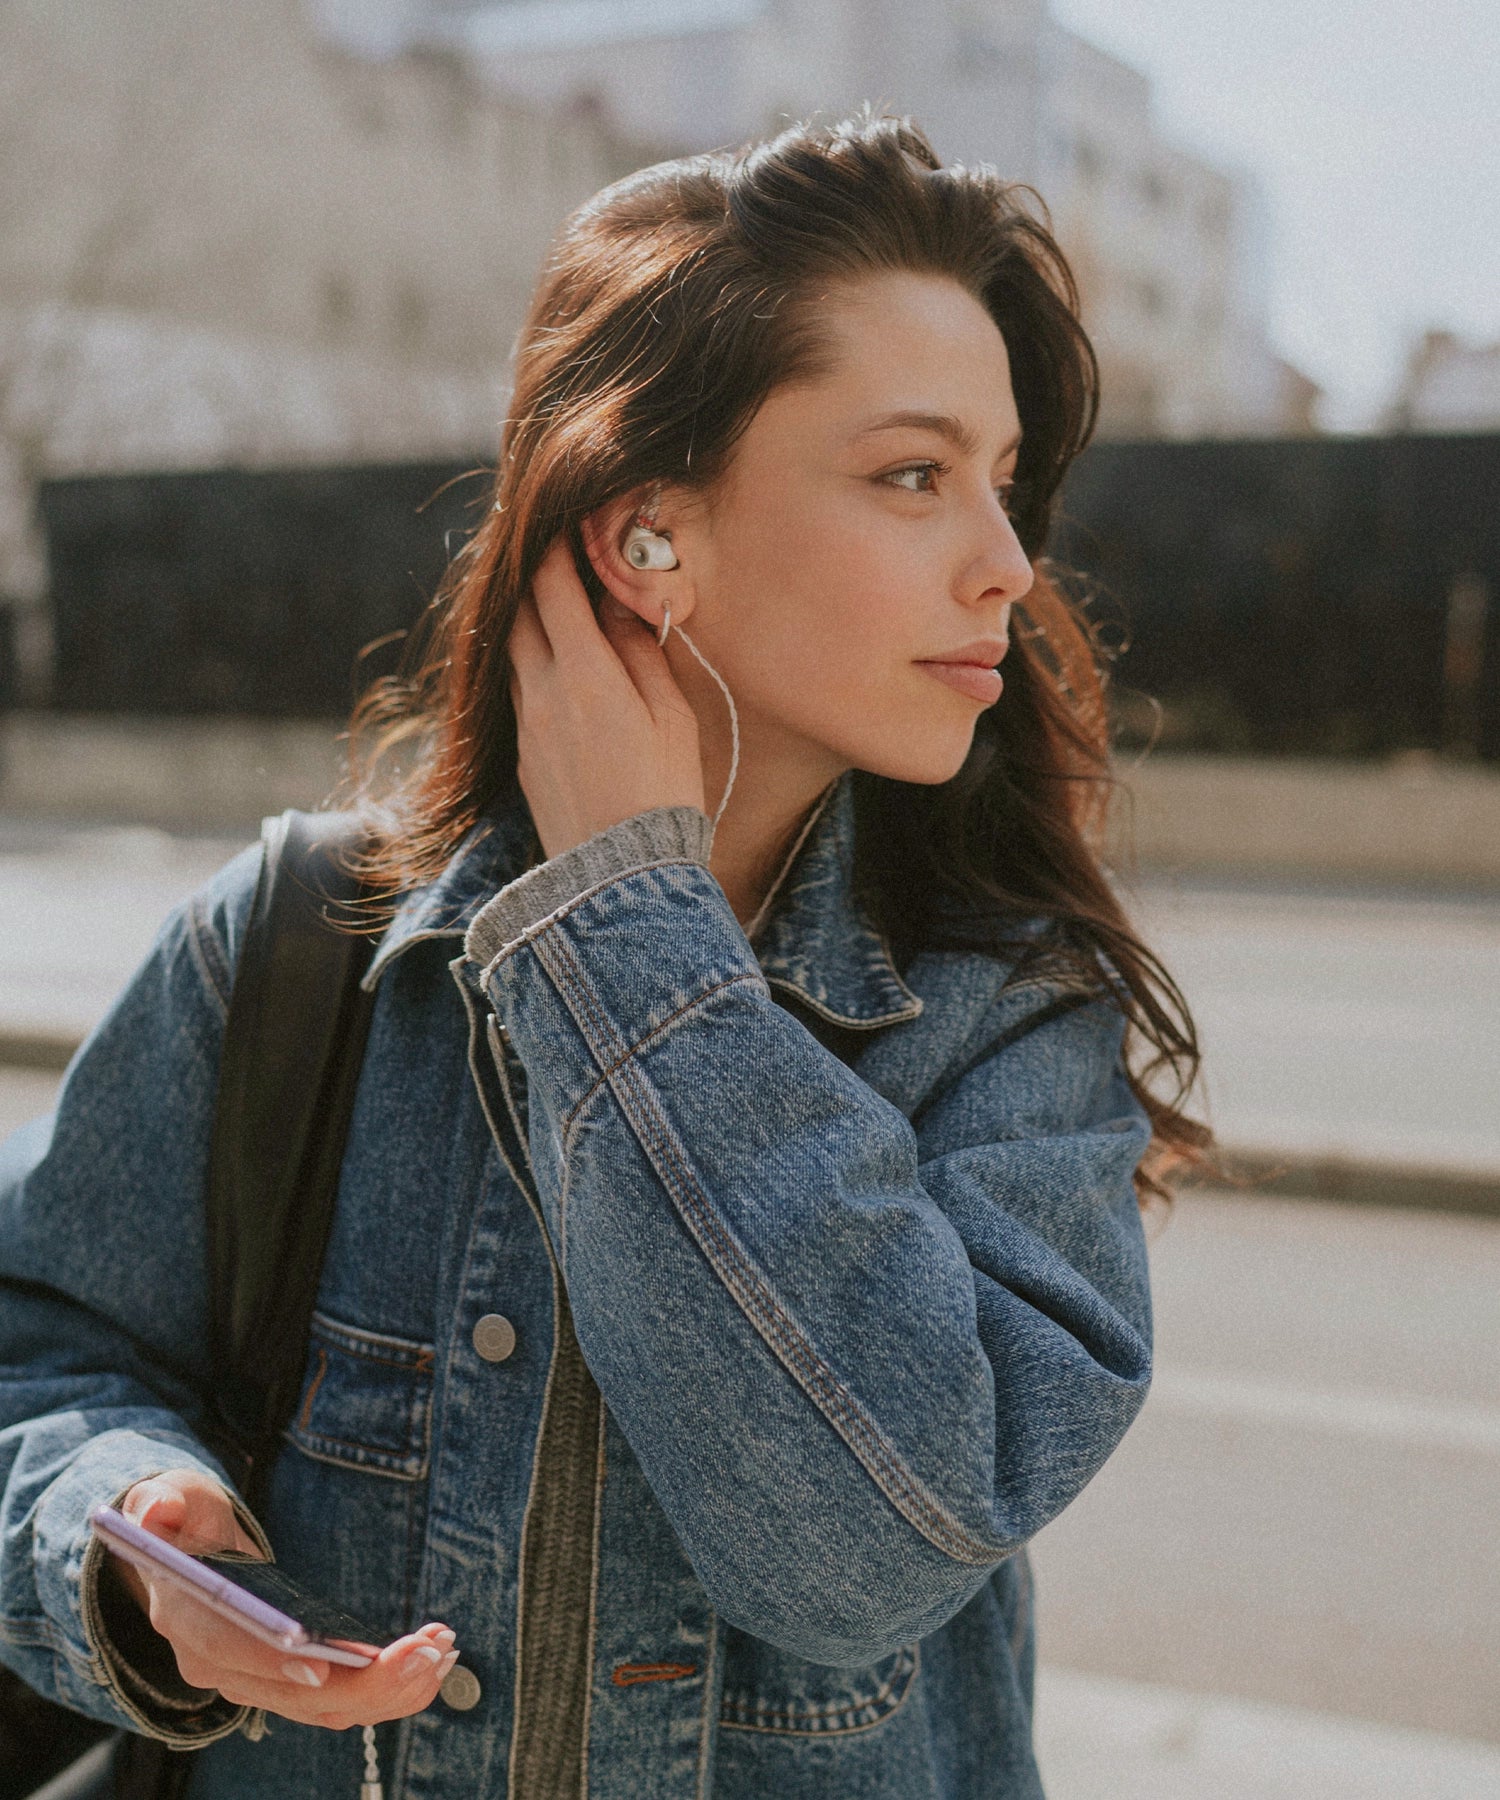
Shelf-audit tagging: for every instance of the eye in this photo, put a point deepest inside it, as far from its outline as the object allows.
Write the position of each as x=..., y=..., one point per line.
x=918, y=478
x=897, y=477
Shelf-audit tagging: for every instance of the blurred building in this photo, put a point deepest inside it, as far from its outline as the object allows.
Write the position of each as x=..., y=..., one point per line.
x=306, y=230
x=1172, y=258
x=224, y=239
x=1448, y=385
x=1171, y=252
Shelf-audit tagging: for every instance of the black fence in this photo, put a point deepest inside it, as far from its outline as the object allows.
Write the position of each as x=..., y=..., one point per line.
x=243, y=591
x=1318, y=596
x=1333, y=596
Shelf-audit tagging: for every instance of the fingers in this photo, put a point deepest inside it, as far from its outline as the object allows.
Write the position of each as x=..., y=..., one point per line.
x=189, y=1509
x=527, y=647
x=405, y=1679
x=634, y=642
x=213, y=1654
x=563, y=605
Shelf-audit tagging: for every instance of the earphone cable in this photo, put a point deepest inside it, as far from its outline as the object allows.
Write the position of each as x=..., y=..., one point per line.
x=734, y=723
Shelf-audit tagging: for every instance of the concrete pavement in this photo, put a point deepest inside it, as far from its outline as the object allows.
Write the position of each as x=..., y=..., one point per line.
x=1341, y=1023
x=1307, y=1511
x=1098, y=1739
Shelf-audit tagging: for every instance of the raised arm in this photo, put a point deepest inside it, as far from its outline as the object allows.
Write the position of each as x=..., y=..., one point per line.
x=859, y=1362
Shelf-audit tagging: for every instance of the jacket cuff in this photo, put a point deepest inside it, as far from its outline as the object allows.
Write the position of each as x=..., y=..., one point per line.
x=112, y=1663
x=661, y=834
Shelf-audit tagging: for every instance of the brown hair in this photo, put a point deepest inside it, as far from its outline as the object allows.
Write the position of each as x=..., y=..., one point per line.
x=669, y=307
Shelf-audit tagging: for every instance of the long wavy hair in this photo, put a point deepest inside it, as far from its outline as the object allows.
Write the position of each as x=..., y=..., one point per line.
x=669, y=307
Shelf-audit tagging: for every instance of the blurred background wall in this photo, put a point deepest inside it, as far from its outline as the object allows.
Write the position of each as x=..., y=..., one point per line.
x=225, y=239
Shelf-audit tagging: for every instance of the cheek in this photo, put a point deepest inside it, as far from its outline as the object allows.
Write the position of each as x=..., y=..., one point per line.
x=834, y=610
x=837, y=586
x=830, y=650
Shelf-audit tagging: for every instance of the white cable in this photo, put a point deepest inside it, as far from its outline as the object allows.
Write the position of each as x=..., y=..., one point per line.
x=371, y=1788
x=734, y=723
x=815, y=813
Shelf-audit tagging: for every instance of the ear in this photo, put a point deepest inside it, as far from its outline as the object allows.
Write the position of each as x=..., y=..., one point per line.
x=646, y=592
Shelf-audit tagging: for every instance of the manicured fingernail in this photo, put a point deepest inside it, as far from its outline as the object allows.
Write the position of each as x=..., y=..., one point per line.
x=445, y=1637
x=424, y=1656
x=305, y=1673
x=447, y=1663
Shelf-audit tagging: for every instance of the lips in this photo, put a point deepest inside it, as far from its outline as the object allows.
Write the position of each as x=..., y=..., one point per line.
x=976, y=680
x=983, y=653
x=971, y=670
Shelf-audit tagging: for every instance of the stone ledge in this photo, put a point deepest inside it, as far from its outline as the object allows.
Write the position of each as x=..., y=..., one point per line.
x=1412, y=819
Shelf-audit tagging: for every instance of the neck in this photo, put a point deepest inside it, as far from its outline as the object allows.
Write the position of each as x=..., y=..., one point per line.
x=778, y=781
x=772, y=798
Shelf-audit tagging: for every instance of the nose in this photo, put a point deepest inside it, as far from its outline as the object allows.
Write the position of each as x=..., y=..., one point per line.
x=999, y=568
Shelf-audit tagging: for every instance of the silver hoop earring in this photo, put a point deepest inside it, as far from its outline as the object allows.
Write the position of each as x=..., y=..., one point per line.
x=666, y=624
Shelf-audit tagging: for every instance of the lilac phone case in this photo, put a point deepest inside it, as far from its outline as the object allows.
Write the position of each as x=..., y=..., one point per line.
x=217, y=1591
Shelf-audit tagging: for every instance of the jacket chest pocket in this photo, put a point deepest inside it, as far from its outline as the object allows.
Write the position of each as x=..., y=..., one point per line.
x=766, y=1689
x=366, y=1401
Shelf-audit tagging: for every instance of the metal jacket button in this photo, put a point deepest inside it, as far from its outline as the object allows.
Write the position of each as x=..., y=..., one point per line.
x=494, y=1339
x=461, y=1689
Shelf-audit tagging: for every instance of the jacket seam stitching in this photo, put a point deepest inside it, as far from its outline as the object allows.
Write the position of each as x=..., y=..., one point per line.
x=602, y=1079
x=523, y=1570
x=380, y=1462
x=708, y=1711
x=543, y=925
x=908, y=1669
x=209, y=957
x=353, y=1339
x=900, y=1017
x=593, y=1625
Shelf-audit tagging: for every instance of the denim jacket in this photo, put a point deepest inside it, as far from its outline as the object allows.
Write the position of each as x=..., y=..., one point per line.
x=704, y=1331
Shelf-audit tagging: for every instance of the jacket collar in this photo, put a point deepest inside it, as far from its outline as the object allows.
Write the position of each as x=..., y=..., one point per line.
x=817, y=942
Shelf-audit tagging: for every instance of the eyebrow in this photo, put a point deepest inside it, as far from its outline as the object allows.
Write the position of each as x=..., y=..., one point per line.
x=944, y=424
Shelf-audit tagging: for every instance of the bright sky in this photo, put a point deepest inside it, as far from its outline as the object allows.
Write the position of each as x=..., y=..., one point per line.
x=1374, y=127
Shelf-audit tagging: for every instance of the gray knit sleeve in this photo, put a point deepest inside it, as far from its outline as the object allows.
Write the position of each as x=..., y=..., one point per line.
x=662, y=834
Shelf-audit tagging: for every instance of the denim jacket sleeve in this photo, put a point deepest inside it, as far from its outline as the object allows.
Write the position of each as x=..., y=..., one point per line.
x=102, y=1321
x=860, y=1361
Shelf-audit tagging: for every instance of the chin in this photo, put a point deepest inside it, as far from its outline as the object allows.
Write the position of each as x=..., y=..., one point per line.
x=924, y=759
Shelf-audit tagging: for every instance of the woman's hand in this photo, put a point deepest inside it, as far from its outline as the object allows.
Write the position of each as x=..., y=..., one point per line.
x=190, y=1510
x=604, y=730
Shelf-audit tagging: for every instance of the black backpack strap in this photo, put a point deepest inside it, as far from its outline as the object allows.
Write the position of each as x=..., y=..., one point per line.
x=293, y=1047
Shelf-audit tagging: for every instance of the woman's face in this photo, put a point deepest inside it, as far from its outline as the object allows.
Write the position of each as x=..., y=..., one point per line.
x=860, y=535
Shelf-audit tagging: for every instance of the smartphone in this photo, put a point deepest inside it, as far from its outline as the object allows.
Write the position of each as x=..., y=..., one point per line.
x=256, y=1596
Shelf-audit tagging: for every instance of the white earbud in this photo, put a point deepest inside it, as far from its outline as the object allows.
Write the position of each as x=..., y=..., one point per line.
x=645, y=546
x=649, y=550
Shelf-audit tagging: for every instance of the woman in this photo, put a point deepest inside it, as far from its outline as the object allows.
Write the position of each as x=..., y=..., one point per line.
x=739, y=1252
